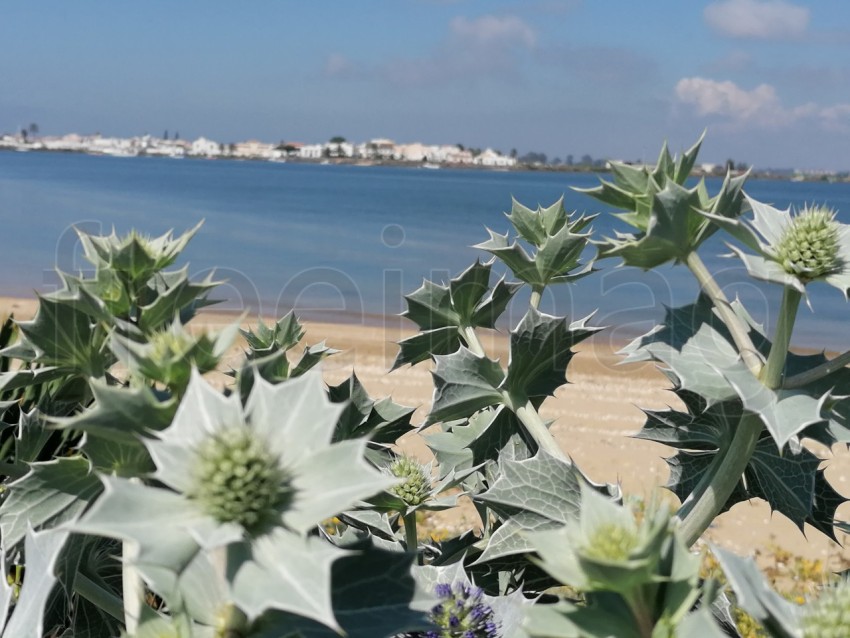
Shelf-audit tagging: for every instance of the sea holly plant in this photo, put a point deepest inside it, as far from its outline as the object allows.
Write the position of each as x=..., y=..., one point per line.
x=448, y=315
x=637, y=576
x=248, y=481
x=557, y=243
x=144, y=494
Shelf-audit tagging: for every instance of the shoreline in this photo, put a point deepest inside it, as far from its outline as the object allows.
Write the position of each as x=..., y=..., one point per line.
x=766, y=174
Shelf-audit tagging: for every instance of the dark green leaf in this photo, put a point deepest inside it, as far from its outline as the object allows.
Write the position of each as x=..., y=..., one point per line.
x=540, y=352
x=463, y=384
x=122, y=414
x=533, y=495
x=382, y=421
x=65, y=336
x=423, y=345
x=52, y=493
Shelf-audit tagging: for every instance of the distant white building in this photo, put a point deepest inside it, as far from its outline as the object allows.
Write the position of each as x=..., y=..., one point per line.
x=253, y=149
x=202, y=147
x=111, y=146
x=165, y=148
x=341, y=149
x=415, y=152
x=489, y=157
x=461, y=156
x=311, y=151
x=70, y=142
x=383, y=148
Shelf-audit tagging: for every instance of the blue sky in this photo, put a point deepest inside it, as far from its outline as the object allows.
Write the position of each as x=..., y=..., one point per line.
x=770, y=79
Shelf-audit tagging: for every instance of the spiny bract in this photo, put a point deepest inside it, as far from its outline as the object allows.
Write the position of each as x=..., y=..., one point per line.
x=809, y=247
x=238, y=481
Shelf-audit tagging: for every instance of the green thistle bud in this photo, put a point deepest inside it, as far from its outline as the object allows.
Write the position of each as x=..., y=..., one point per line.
x=238, y=481
x=809, y=248
x=169, y=346
x=829, y=615
x=416, y=486
x=611, y=542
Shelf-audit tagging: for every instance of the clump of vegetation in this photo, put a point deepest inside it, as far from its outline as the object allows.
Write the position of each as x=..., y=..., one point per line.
x=141, y=500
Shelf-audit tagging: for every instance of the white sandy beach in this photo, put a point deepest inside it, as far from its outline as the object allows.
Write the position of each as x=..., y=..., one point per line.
x=593, y=418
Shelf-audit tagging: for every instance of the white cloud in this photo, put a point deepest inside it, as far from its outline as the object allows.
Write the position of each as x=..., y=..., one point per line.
x=759, y=19
x=474, y=48
x=489, y=30
x=727, y=98
x=759, y=107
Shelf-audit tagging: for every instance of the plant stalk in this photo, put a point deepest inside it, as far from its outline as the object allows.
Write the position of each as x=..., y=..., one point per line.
x=472, y=341
x=535, y=297
x=713, y=491
x=718, y=483
x=534, y=425
x=818, y=372
x=640, y=608
x=410, y=536
x=94, y=593
x=134, y=590
x=775, y=366
x=737, y=327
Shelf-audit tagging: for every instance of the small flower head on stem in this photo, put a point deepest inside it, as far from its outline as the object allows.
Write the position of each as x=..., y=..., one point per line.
x=792, y=250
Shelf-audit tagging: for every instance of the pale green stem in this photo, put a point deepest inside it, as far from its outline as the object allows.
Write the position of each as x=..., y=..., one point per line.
x=230, y=622
x=94, y=593
x=641, y=610
x=535, y=297
x=534, y=425
x=472, y=342
x=818, y=372
x=713, y=491
x=773, y=369
x=134, y=590
x=410, y=535
x=737, y=328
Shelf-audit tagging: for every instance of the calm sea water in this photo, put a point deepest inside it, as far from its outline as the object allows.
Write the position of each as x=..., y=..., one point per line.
x=347, y=242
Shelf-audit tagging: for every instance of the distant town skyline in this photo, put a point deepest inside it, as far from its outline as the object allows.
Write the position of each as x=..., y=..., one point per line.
x=769, y=79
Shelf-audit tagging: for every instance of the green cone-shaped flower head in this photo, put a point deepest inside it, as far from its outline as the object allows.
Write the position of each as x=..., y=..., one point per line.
x=241, y=471
x=792, y=250
x=612, y=541
x=415, y=487
x=809, y=246
x=829, y=615
x=168, y=345
x=607, y=548
x=256, y=477
x=170, y=355
x=238, y=480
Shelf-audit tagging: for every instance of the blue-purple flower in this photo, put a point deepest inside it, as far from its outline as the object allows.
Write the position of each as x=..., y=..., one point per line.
x=462, y=613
